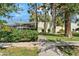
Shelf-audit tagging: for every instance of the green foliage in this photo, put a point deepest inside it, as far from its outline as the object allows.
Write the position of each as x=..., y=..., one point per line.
x=26, y=35
x=6, y=36
x=6, y=28
x=42, y=15
x=6, y=8
x=18, y=35
x=32, y=35
x=59, y=21
x=32, y=11
x=2, y=22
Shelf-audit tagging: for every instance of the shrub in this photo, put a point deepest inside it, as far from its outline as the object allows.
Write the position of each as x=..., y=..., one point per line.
x=6, y=36
x=32, y=35
x=6, y=28
x=18, y=35
x=25, y=35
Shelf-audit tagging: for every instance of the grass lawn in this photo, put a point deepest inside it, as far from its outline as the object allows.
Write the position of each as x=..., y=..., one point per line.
x=62, y=37
x=17, y=51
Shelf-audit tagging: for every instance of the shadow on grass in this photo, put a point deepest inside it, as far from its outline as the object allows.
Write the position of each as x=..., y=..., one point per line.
x=48, y=34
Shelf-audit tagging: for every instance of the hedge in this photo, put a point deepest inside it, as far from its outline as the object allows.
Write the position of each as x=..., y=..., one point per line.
x=18, y=35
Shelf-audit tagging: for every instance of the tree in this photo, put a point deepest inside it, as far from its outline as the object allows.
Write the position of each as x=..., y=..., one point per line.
x=39, y=16
x=7, y=8
x=67, y=24
x=59, y=21
x=53, y=14
x=2, y=22
x=46, y=17
x=33, y=11
x=68, y=9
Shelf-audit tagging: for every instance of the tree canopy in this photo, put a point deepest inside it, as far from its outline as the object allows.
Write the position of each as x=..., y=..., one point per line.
x=7, y=8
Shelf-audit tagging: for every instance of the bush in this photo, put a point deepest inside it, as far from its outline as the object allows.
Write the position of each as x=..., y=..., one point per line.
x=32, y=35
x=18, y=35
x=25, y=35
x=6, y=36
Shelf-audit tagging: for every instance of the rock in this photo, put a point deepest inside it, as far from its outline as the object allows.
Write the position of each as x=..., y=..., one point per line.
x=47, y=49
x=49, y=52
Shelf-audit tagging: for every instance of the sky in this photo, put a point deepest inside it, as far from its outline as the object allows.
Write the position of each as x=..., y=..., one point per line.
x=22, y=16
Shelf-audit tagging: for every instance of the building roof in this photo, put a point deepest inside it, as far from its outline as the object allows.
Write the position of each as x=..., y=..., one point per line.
x=19, y=24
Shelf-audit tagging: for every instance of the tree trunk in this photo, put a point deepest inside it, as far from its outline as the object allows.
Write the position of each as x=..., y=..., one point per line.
x=53, y=14
x=67, y=25
x=45, y=26
x=36, y=24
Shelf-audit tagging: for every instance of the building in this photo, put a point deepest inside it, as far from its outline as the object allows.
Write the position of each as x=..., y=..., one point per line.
x=74, y=27
x=29, y=25
x=41, y=26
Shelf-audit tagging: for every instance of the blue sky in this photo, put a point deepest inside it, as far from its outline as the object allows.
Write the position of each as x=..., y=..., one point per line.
x=22, y=16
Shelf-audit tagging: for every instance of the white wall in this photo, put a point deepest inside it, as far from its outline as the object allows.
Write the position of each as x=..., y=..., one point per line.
x=74, y=26
x=41, y=26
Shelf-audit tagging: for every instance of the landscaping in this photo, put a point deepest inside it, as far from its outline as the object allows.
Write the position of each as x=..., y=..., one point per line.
x=36, y=29
x=52, y=37
x=18, y=51
x=16, y=35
